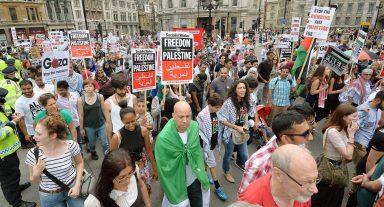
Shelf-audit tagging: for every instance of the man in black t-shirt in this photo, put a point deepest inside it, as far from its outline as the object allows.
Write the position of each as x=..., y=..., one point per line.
x=264, y=71
x=196, y=89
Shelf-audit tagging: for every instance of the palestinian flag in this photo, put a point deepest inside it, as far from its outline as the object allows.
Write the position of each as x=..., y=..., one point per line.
x=301, y=54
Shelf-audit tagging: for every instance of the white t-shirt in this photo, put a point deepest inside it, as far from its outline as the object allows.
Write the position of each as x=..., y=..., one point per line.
x=28, y=108
x=48, y=88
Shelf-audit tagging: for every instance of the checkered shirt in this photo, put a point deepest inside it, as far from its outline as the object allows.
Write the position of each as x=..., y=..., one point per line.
x=259, y=164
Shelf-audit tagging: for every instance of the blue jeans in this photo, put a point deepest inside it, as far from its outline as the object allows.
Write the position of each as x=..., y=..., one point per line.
x=242, y=153
x=79, y=138
x=93, y=134
x=60, y=200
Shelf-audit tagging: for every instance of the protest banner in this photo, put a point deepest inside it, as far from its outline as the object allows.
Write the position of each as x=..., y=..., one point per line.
x=284, y=41
x=295, y=29
x=319, y=22
x=322, y=47
x=143, y=69
x=55, y=66
x=177, y=57
x=285, y=53
x=39, y=38
x=35, y=53
x=57, y=39
x=47, y=46
x=197, y=35
x=159, y=65
x=358, y=45
x=336, y=60
x=80, y=44
x=14, y=36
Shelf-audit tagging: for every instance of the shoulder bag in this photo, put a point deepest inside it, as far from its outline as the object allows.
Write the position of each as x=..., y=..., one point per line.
x=87, y=181
x=332, y=175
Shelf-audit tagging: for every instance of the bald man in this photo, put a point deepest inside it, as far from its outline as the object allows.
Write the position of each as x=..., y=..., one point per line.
x=292, y=181
x=180, y=162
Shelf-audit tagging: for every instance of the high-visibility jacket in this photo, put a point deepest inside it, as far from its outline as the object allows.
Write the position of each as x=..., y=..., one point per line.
x=14, y=91
x=9, y=142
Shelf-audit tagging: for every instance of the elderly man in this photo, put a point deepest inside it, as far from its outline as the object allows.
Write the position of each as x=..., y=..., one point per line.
x=290, y=127
x=180, y=162
x=290, y=184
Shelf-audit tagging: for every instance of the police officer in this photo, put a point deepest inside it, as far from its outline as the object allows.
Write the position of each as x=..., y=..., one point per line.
x=11, y=84
x=10, y=61
x=9, y=161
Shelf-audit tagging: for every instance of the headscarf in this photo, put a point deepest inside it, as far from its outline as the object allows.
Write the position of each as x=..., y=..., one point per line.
x=93, y=69
x=101, y=80
x=359, y=86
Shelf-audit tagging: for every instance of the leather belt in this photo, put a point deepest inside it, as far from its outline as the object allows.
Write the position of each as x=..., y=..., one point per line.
x=56, y=190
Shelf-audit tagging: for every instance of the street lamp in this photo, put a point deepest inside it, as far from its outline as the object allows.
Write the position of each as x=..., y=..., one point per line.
x=377, y=15
x=210, y=5
x=284, y=20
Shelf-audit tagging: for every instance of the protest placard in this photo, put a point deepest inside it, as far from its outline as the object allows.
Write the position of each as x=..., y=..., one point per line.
x=197, y=35
x=55, y=66
x=358, y=45
x=336, y=60
x=295, y=29
x=143, y=69
x=14, y=36
x=284, y=41
x=176, y=56
x=319, y=22
x=47, y=46
x=35, y=53
x=322, y=47
x=57, y=39
x=39, y=38
x=285, y=53
x=80, y=44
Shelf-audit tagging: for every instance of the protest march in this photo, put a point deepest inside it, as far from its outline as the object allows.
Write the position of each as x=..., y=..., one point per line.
x=266, y=117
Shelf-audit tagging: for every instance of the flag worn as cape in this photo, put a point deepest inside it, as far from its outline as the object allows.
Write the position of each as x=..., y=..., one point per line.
x=301, y=53
x=172, y=156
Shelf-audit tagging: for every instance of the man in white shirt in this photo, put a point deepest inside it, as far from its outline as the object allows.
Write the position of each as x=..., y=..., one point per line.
x=41, y=87
x=28, y=106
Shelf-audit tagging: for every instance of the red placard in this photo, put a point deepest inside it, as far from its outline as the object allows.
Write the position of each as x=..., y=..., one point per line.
x=176, y=57
x=80, y=44
x=143, y=69
x=197, y=35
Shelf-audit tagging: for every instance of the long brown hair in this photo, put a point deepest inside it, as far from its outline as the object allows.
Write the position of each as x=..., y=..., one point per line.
x=233, y=96
x=338, y=115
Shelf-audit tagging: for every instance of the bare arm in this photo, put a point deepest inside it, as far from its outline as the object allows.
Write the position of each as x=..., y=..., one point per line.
x=314, y=87
x=269, y=97
x=194, y=98
x=75, y=191
x=72, y=128
x=144, y=191
x=372, y=158
x=114, y=142
x=107, y=114
x=81, y=115
x=23, y=129
x=148, y=149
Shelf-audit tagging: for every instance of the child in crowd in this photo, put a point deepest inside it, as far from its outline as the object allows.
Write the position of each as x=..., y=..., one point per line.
x=209, y=130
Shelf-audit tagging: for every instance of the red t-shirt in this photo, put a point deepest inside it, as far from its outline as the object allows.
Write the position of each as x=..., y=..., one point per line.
x=259, y=192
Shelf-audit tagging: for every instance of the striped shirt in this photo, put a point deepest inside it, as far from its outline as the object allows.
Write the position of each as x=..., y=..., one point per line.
x=61, y=167
x=259, y=164
x=281, y=90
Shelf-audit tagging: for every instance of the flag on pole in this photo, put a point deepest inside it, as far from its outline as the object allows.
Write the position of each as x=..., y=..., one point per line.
x=301, y=54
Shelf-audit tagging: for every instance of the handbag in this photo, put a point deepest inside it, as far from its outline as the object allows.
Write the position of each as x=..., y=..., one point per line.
x=332, y=175
x=87, y=181
x=240, y=138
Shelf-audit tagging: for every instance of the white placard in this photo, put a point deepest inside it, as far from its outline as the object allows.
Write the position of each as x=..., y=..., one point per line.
x=55, y=66
x=295, y=29
x=319, y=22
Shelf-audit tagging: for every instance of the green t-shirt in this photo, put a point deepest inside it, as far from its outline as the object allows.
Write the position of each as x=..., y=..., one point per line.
x=65, y=115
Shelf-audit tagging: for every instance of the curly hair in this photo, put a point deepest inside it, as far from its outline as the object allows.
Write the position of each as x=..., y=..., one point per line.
x=233, y=96
x=55, y=125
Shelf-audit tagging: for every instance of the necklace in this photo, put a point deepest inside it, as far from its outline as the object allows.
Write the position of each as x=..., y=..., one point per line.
x=89, y=97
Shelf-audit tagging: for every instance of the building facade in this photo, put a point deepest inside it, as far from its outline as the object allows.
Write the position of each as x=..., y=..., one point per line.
x=28, y=18
x=121, y=17
x=234, y=16
x=349, y=13
x=60, y=15
x=271, y=12
x=147, y=11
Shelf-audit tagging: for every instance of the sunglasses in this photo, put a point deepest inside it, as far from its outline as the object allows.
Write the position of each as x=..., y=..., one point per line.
x=305, y=134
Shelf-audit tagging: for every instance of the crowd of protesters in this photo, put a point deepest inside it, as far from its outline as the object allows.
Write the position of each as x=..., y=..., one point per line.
x=172, y=134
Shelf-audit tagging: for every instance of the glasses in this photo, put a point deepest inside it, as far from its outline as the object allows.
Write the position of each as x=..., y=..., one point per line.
x=367, y=74
x=308, y=183
x=125, y=178
x=305, y=134
x=312, y=122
